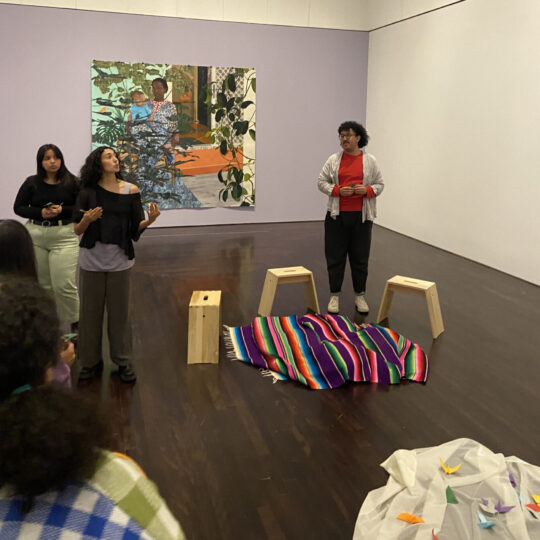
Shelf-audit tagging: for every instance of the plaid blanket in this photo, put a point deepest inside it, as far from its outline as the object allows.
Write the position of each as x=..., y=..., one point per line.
x=325, y=351
x=118, y=503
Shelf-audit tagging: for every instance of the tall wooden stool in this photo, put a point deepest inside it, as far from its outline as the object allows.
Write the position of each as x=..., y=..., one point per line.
x=407, y=285
x=204, y=327
x=293, y=274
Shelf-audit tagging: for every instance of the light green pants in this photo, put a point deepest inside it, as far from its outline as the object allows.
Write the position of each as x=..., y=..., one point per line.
x=57, y=253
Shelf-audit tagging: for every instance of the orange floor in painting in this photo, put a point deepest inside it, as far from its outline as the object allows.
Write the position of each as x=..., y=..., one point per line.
x=207, y=161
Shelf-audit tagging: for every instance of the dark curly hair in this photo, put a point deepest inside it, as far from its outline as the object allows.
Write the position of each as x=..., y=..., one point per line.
x=62, y=174
x=92, y=170
x=50, y=437
x=17, y=256
x=359, y=130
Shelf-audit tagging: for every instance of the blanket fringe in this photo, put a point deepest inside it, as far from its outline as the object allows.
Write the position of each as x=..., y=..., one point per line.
x=230, y=351
x=270, y=373
x=232, y=355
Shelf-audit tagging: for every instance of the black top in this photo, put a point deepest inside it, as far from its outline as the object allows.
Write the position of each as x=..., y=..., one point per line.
x=122, y=214
x=34, y=194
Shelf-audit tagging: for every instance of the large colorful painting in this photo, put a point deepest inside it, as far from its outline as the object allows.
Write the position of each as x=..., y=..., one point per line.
x=185, y=134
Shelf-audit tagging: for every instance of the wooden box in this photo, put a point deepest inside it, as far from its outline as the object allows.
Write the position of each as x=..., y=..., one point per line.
x=204, y=327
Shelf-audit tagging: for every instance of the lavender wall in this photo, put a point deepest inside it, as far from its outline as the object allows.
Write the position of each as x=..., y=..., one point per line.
x=308, y=81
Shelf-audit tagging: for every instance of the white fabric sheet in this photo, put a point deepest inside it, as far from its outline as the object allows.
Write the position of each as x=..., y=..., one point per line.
x=418, y=484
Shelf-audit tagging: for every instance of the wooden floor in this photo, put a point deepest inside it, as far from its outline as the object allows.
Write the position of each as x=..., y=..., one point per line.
x=237, y=457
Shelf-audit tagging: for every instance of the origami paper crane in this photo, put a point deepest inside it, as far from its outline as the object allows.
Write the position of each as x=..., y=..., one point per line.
x=449, y=470
x=503, y=509
x=450, y=496
x=410, y=518
x=484, y=523
x=536, y=505
x=487, y=506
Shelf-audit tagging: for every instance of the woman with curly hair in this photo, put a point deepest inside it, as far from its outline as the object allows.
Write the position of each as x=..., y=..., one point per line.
x=17, y=260
x=110, y=217
x=55, y=474
x=47, y=199
x=352, y=180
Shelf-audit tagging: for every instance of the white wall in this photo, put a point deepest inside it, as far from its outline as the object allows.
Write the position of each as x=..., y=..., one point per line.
x=453, y=111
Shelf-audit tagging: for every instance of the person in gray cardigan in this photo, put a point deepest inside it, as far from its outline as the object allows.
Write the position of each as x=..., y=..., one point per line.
x=352, y=181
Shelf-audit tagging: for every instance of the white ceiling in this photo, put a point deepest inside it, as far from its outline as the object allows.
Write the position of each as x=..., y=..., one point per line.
x=336, y=14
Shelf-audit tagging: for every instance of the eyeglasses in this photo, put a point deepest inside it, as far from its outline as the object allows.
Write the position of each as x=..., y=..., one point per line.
x=347, y=135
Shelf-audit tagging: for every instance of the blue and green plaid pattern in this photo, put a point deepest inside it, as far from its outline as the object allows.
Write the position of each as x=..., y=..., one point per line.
x=79, y=512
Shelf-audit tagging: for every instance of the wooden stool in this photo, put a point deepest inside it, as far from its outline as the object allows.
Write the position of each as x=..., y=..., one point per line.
x=204, y=327
x=293, y=274
x=408, y=285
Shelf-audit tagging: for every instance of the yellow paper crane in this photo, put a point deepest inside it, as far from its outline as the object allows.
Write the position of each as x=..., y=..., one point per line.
x=449, y=470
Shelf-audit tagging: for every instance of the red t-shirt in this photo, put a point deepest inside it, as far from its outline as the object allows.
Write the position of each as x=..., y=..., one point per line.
x=351, y=173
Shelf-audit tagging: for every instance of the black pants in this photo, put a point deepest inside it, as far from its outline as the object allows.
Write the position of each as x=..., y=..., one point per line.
x=347, y=235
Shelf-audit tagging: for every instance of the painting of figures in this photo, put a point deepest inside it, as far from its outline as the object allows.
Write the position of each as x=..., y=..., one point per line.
x=185, y=134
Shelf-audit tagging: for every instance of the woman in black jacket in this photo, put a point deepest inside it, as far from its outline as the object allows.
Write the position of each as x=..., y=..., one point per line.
x=110, y=217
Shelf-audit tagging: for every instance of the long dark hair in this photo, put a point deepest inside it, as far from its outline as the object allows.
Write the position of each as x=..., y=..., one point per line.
x=50, y=437
x=92, y=170
x=62, y=174
x=17, y=256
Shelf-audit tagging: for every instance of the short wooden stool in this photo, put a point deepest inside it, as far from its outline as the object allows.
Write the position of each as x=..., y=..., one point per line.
x=293, y=274
x=204, y=327
x=408, y=285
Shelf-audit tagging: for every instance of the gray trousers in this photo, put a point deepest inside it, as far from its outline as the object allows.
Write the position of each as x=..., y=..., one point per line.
x=98, y=290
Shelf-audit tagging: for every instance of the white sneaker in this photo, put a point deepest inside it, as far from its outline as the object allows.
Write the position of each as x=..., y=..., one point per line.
x=333, y=305
x=361, y=304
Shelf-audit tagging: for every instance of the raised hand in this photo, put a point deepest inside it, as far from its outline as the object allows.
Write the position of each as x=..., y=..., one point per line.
x=153, y=212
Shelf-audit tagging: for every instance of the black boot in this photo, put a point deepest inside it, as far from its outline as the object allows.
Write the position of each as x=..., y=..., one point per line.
x=88, y=373
x=127, y=373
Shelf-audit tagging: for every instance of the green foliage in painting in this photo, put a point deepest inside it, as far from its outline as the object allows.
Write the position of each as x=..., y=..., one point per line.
x=237, y=176
x=151, y=152
x=145, y=163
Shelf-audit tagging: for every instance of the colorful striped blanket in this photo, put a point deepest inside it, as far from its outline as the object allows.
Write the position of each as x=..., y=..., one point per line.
x=325, y=351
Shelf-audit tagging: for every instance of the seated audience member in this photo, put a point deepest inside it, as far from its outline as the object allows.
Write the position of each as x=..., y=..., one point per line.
x=56, y=479
x=17, y=259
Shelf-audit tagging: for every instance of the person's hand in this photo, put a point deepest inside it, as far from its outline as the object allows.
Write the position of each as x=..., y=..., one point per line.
x=48, y=213
x=153, y=212
x=346, y=191
x=360, y=189
x=93, y=214
x=68, y=354
x=56, y=209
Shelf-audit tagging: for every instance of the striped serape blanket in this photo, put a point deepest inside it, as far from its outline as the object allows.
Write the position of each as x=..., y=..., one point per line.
x=325, y=351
